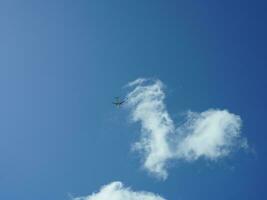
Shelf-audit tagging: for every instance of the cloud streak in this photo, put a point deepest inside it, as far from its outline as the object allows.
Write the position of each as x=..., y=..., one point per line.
x=211, y=134
x=116, y=191
x=148, y=108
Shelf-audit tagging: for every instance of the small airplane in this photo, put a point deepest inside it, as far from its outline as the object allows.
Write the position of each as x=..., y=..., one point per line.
x=118, y=102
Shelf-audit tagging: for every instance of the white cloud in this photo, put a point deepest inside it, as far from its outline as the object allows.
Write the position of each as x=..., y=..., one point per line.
x=211, y=134
x=136, y=82
x=149, y=109
x=116, y=191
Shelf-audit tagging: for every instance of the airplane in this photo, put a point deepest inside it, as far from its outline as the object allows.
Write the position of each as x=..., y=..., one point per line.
x=118, y=102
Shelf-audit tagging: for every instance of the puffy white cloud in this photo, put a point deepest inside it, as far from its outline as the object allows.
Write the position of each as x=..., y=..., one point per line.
x=211, y=134
x=116, y=191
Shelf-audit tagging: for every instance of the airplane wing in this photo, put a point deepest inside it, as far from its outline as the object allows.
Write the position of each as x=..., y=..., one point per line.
x=117, y=102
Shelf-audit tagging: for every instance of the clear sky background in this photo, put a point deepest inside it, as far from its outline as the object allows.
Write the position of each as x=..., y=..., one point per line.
x=62, y=62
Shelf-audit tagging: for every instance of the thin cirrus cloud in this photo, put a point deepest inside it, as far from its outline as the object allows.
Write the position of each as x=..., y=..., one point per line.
x=211, y=134
x=116, y=191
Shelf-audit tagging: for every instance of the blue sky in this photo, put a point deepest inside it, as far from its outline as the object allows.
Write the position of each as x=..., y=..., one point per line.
x=62, y=63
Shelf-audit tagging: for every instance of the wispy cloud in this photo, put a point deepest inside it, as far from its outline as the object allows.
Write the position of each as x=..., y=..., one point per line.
x=211, y=134
x=146, y=101
x=136, y=82
x=116, y=191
